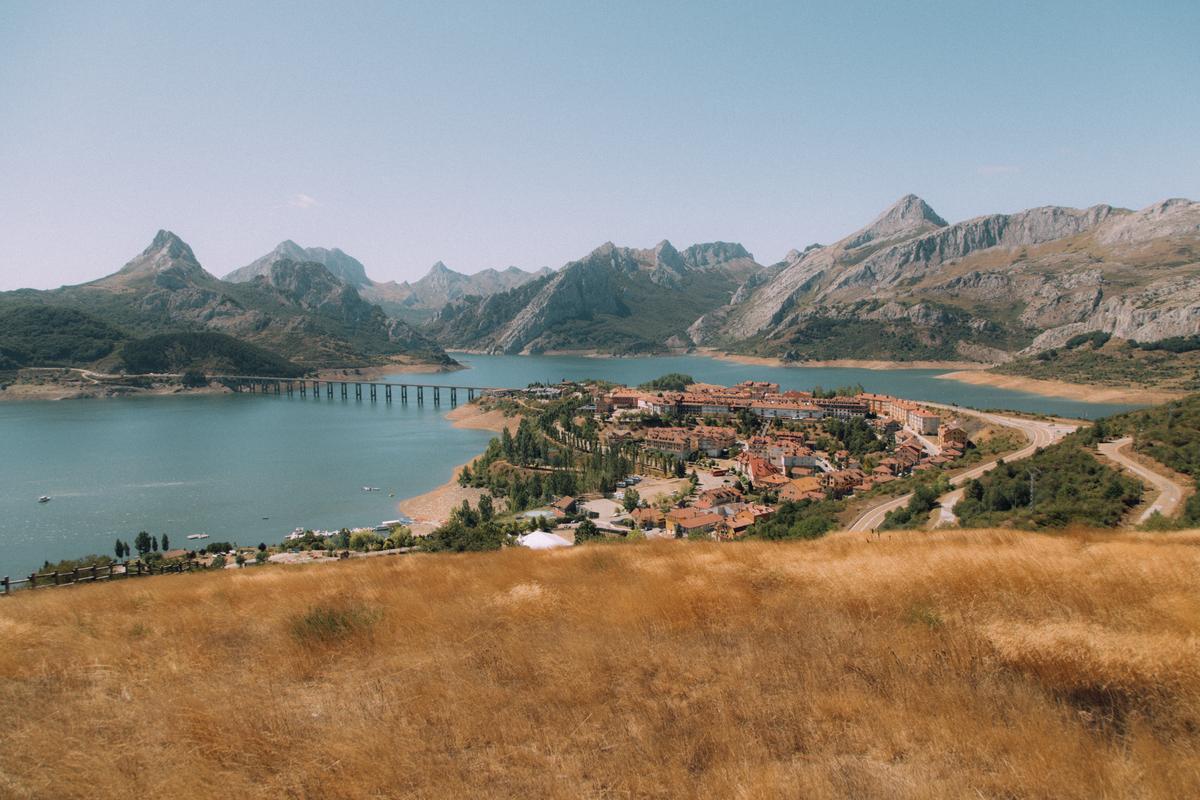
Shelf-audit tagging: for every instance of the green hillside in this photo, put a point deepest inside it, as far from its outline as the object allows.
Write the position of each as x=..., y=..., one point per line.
x=207, y=351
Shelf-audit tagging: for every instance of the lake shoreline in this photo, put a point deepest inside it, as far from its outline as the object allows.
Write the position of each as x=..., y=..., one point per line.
x=431, y=509
x=845, y=363
x=1083, y=392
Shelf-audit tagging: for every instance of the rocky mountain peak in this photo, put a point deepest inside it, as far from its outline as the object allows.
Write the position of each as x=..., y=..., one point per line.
x=908, y=216
x=168, y=245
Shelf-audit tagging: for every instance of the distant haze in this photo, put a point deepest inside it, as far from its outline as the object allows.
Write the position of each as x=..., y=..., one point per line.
x=486, y=135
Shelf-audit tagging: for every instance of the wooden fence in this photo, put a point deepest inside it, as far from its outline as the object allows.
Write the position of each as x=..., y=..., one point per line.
x=94, y=574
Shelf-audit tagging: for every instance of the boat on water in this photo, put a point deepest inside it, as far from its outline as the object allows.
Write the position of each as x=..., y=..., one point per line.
x=44, y=498
x=197, y=535
x=370, y=488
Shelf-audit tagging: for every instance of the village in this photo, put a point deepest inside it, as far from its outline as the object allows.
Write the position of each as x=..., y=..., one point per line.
x=729, y=456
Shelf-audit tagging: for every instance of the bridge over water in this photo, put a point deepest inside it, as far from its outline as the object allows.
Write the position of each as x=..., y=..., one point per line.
x=255, y=384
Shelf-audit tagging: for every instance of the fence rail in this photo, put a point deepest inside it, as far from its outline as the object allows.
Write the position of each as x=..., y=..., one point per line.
x=96, y=573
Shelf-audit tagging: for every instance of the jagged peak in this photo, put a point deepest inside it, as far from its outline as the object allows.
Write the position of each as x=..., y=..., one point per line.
x=169, y=244
x=907, y=216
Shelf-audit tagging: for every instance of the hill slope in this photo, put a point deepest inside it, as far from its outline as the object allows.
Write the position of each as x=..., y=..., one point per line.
x=617, y=300
x=911, y=286
x=975, y=664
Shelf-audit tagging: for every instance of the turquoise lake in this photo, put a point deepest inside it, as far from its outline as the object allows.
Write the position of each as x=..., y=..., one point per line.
x=250, y=468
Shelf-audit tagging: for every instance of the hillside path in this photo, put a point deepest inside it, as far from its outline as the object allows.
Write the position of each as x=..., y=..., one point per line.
x=1170, y=493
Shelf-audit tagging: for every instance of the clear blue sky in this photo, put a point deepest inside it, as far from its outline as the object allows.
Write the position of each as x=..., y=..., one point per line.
x=504, y=133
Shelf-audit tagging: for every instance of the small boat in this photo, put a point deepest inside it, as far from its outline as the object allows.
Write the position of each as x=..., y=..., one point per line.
x=44, y=498
x=370, y=488
x=197, y=535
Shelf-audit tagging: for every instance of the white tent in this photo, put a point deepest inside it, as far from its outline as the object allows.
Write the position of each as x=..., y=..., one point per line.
x=540, y=540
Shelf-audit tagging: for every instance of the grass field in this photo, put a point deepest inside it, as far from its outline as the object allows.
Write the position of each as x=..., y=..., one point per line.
x=916, y=665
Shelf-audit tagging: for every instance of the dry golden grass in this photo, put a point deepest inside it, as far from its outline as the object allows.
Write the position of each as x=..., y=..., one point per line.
x=980, y=664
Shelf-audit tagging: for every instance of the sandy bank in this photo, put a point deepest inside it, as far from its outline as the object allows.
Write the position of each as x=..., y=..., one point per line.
x=51, y=391
x=398, y=367
x=851, y=363
x=431, y=509
x=1071, y=391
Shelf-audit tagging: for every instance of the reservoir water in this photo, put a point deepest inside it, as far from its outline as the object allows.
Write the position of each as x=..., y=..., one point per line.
x=250, y=468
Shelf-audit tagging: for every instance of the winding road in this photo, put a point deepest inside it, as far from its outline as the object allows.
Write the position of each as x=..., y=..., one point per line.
x=1039, y=434
x=1170, y=493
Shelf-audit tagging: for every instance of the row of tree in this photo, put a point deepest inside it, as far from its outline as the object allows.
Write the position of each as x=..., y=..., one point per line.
x=144, y=543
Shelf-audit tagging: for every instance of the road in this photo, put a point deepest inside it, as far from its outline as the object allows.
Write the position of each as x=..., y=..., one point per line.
x=1039, y=434
x=1170, y=494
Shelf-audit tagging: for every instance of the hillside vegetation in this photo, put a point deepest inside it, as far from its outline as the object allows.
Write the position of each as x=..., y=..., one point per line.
x=1064, y=484
x=977, y=664
x=1169, y=364
x=214, y=352
x=1169, y=434
x=41, y=336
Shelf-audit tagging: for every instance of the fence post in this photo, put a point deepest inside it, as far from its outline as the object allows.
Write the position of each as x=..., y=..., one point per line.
x=6, y=584
x=56, y=577
x=93, y=573
x=75, y=575
x=33, y=580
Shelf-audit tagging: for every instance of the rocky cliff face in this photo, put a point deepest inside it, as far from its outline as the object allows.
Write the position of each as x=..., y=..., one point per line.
x=616, y=299
x=441, y=285
x=1004, y=281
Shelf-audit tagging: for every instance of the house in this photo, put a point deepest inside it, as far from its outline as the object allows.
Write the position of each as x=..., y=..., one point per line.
x=799, y=489
x=924, y=422
x=649, y=518
x=697, y=524
x=952, y=434
x=722, y=495
x=565, y=506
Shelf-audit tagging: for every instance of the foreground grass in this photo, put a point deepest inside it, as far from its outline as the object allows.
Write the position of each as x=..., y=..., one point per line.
x=990, y=664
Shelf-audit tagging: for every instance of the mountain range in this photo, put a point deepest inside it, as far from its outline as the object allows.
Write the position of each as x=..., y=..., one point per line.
x=297, y=310
x=907, y=286
x=414, y=302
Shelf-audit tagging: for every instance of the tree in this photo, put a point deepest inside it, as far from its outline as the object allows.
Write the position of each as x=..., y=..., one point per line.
x=218, y=562
x=154, y=543
x=262, y=546
x=119, y=548
x=142, y=543
x=194, y=379
x=486, y=509
x=631, y=499
x=240, y=560
x=165, y=543
x=261, y=556
x=586, y=532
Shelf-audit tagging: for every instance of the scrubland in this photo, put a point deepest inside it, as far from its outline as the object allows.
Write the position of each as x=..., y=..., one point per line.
x=912, y=665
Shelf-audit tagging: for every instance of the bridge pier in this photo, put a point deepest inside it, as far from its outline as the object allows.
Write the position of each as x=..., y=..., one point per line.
x=437, y=395
x=345, y=389
x=304, y=388
x=453, y=396
x=387, y=393
x=470, y=395
x=277, y=386
x=329, y=389
x=358, y=391
x=290, y=389
x=403, y=394
x=420, y=394
x=372, y=391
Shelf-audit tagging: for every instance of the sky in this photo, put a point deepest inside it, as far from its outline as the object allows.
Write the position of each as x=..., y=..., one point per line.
x=490, y=134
